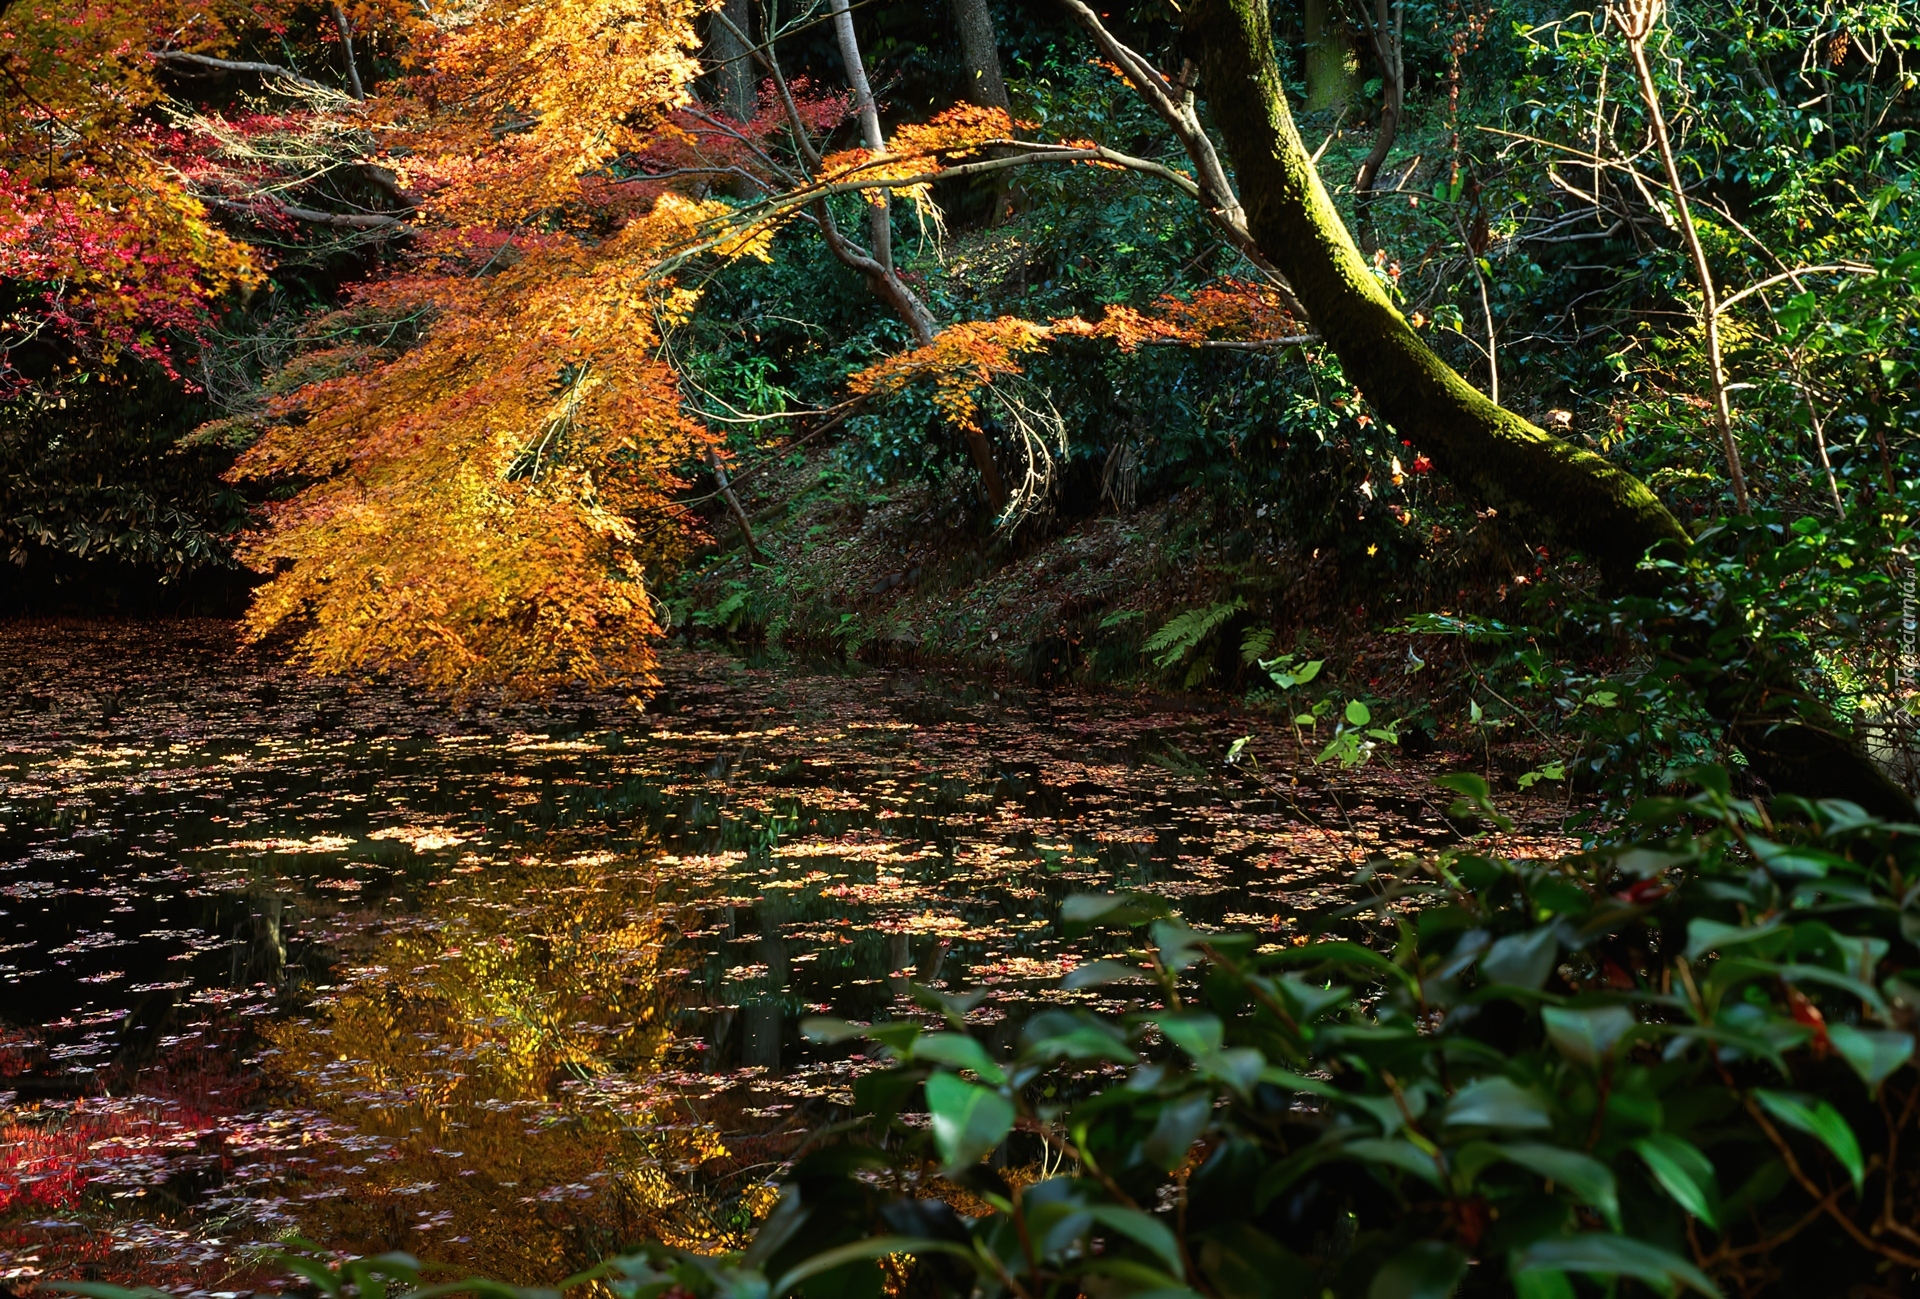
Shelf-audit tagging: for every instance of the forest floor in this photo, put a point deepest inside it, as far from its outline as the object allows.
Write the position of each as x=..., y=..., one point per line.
x=913, y=574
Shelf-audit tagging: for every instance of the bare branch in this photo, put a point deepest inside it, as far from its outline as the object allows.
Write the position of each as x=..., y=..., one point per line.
x=207, y=64
x=346, y=40
x=763, y=55
x=1848, y=268
x=311, y=216
x=1175, y=108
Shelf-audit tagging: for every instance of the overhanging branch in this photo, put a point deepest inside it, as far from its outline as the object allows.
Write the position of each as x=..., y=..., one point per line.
x=206, y=64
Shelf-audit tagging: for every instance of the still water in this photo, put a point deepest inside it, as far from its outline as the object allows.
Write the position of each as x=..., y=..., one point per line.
x=513, y=985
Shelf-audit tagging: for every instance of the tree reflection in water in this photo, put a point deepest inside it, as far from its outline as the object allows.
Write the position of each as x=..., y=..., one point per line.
x=514, y=985
x=497, y=1056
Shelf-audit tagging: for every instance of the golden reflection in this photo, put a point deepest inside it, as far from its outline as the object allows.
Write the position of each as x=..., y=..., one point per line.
x=486, y=1078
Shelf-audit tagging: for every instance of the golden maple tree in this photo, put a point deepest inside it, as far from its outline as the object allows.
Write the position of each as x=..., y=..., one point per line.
x=484, y=447
x=486, y=453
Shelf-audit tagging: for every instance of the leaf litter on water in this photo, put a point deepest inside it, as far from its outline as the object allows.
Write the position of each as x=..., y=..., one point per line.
x=513, y=984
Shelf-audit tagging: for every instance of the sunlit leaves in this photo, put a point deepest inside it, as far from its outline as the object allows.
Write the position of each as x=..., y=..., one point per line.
x=95, y=229
x=968, y=1120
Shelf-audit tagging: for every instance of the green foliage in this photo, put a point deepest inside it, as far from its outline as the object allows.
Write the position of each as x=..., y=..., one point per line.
x=1184, y=634
x=100, y=471
x=1686, y=1058
x=1546, y=1067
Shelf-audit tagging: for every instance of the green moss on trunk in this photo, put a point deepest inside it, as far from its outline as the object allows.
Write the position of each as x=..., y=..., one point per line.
x=1573, y=496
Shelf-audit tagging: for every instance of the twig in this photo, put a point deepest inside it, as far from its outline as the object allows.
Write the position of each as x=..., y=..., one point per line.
x=1636, y=22
x=346, y=40
x=1825, y=1199
x=1849, y=268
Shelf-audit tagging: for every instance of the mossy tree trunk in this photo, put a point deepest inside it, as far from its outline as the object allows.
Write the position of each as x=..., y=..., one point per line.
x=1570, y=495
x=1330, y=77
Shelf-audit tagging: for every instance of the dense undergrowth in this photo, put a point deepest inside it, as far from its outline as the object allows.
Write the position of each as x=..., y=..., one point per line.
x=1683, y=1059
x=1205, y=509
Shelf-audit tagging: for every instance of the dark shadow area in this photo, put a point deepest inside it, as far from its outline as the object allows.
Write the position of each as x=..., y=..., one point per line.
x=52, y=584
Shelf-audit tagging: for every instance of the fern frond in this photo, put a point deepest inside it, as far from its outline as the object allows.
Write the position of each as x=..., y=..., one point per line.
x=1185, y=632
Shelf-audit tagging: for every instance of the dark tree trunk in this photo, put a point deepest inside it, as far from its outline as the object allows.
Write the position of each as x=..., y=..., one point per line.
x=1569, y=494
x=732, y=63
x=980, y=51
x=1385, y=28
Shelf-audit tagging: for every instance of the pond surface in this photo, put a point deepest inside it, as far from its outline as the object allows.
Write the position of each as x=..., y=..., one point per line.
x=513, y=986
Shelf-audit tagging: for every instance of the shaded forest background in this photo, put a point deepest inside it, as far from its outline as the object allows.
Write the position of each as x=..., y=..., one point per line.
x=1192, y=511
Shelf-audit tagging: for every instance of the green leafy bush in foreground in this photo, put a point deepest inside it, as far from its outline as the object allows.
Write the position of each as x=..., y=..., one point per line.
x=1686, y=1063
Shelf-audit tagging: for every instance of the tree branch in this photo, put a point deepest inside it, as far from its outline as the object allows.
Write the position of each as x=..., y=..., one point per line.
x=208, y=65
x=1175, y=107
x=312, y=216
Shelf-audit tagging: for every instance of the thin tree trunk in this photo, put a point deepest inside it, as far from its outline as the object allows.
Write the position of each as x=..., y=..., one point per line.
x=346, y=40
x=1387, y=29
x=1709, y=300
x=733, y=61
x=733, y=503
x=887, y=282
x=1573, y=495
x=980, y=52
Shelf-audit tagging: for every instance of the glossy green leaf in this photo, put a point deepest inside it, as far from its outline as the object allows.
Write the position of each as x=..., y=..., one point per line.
x=960, y=1051
x=1197, y=1034
x=1585, y=1176
x=1874, y=1053
x=1523, y=960
x=1819, y=1120
x=821, y=1028
x=1061, y=1034
x=1143, y=1229
x=1588, y=1035
x=1683, y=1171
x=871, y=1248
x=1704, y=935
x=1498, y=1102
x=1465, y=783
x=1178, y=1126
x=968, y=1121
x=1430, y=1269
x=1599, y=1254
x=1083, y=911
x=1097, y=973
x=1542, y=1285
x=1397, y=1153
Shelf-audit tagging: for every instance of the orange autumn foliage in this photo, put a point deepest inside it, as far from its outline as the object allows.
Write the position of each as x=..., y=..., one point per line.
x=1231, y=311
x=960, y=361
x=516, y=106
x=487, y=489
x=918, y=148
x=964, y=360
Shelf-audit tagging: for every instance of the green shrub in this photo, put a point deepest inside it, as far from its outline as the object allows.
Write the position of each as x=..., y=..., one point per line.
x=1687, y=1061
